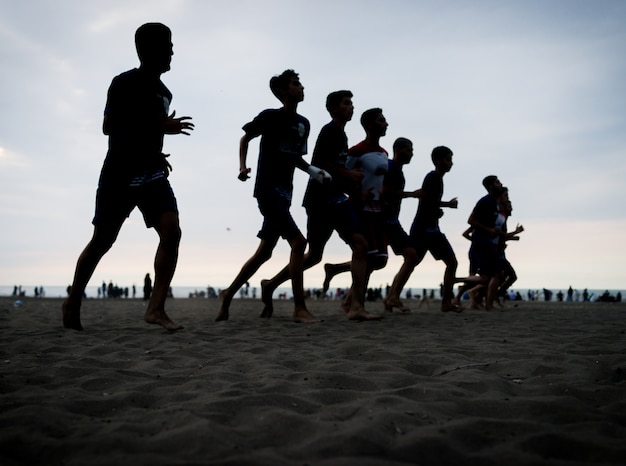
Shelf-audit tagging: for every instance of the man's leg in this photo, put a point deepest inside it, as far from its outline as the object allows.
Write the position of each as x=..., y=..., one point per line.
x=311, y=258
x=296, y=271
x=492, y=291
x=101, y=241
x=261, y=256
x=448, y=284
x=330, y=270
x=411, y=260
x=355, y=300
x=165, y=261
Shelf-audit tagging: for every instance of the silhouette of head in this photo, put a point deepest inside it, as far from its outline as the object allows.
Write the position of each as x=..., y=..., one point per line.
x=334, y=99
x=368, y=117
x=279, y=85
x=440, y=153
x=403, y=150
x=374, y=122
x=154, y=46
x=492, y=184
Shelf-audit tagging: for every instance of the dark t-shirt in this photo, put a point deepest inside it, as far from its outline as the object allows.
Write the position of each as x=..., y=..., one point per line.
x=137, y=103
x=429, y=207
x=393, y=187
x=283, y=143
x=331, y=150
x=485, y=212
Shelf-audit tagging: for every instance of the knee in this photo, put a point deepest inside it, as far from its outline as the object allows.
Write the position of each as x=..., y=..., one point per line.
x=314, y=256
x=102, y=241
x=452, y=263
x=410, y=257
x=298, y=245
x=171, y=236
x=359, y=246
x=264, y=254
x=99, y=246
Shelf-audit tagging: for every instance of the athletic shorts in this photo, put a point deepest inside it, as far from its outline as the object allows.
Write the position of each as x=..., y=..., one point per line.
x=277, y=220
x=374, y=229
x=114, y=204
x=485, y=258
x=322, y=221
x=397, y=238
x=434, y=242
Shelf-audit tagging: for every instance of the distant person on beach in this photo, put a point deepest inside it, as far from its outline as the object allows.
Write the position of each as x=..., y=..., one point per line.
x=425, y=232
x=372, y=159
x=135, y=172
x=147, y=287
x=284, y=135
x=329, y=208
x=400, y=242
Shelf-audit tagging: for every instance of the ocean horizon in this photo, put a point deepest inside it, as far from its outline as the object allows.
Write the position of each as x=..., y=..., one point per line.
x=199, y=292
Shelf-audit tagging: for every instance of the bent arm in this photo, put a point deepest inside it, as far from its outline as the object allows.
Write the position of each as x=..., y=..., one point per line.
x=244, y=171
x=473, y=221
x=417, y=193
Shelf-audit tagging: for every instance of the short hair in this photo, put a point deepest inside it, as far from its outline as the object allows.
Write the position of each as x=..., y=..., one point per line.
x=401, y=143
x=334, y=99
x=369, y=116
x=488, y=181
x=151, y=36
x=439, y=153
x=281, y=82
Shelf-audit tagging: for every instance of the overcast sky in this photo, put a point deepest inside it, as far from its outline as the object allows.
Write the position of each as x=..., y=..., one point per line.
x=532, y=91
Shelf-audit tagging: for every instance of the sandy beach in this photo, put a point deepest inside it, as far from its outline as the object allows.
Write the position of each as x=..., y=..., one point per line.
x=534, y=384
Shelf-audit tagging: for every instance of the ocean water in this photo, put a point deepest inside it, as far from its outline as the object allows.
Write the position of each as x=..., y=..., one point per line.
x=194, y=291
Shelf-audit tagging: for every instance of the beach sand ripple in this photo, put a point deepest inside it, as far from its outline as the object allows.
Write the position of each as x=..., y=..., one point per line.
x=532, y=384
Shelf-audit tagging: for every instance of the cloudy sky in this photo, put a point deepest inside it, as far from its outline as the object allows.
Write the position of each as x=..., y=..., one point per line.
x=532, y=91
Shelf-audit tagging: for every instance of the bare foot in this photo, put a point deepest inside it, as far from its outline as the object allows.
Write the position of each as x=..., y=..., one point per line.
x=159, y=317
x=362, y=315
x=457, y=303
x=449, y=307
x=346, y=304
x=474, y=299
x=223, y=313
x=302, y=315
x=266, y=299
x=389, y=304
x=71, y=316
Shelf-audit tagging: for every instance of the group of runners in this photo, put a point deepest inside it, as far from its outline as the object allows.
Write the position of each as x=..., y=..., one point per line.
x=353, y=190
